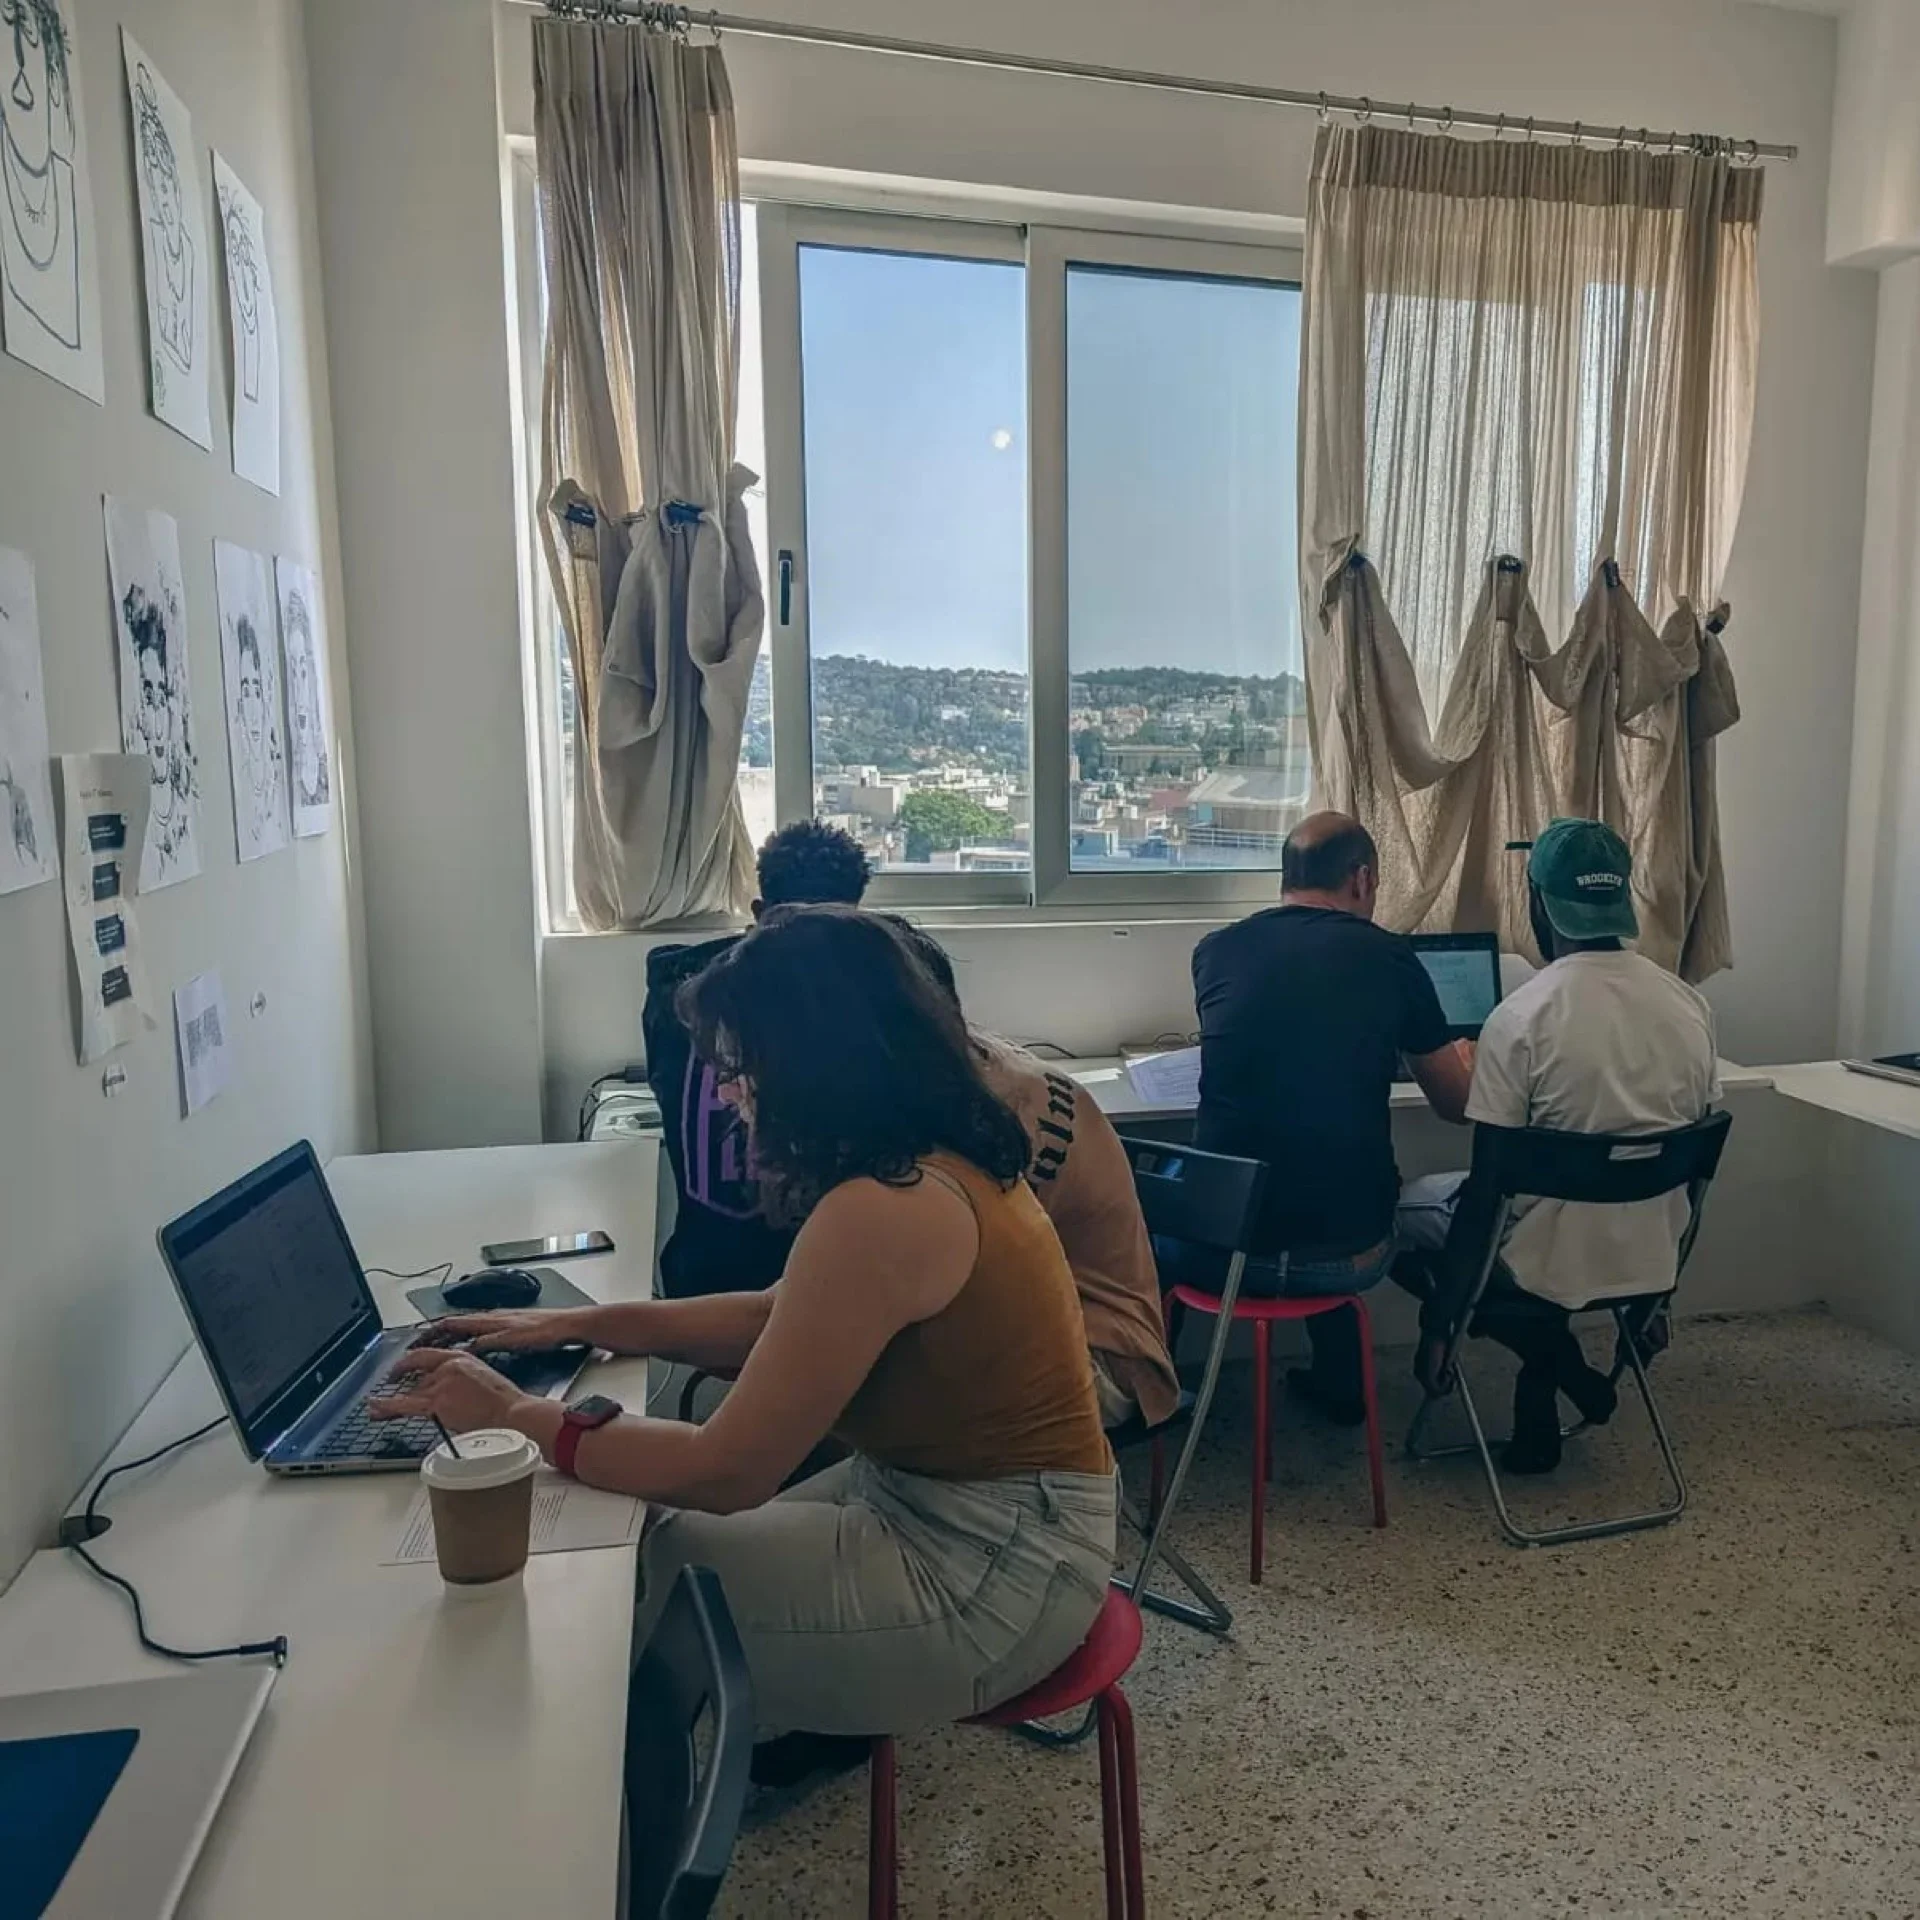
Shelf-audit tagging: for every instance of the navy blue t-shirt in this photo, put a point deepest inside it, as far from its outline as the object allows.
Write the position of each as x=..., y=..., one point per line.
x=1304, y=1013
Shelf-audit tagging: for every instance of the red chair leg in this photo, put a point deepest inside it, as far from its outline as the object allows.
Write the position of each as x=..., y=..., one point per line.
x=1370, y=1394
x=1116, y=1711
x=1112, y=1823
x=1262, y=1439
x=883, y=1864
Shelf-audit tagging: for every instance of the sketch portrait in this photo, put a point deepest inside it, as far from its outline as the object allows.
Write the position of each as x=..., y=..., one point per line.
x=46, y=244
x=307, y=743
x=253, y=327
x=156, y=708
x=173, y=248
x=27, y=851
x=250, y=665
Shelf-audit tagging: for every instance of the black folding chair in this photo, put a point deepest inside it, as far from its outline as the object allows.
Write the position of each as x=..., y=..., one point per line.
x=686, y=1784
x=1514, y=1163
x=1210, y=1200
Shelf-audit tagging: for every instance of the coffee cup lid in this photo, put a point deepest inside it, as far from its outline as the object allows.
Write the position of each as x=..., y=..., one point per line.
x=488, y=1457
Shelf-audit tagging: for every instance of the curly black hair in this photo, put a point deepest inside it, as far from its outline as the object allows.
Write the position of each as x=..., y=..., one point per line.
x=810, y=862
x=859, y=1061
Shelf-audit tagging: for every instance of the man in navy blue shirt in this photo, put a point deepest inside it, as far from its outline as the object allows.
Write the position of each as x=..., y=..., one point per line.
x=1306, y=1011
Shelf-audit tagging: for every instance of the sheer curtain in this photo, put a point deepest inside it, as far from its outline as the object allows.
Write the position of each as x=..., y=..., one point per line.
x=1526, y=394
x=643, y=525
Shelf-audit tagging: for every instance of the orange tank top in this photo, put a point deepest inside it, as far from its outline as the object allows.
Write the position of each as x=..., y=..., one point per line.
x=997, y=1383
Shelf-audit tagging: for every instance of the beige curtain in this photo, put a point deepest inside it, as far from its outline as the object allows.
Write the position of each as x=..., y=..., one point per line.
x=644, y=533
x=1526, y=392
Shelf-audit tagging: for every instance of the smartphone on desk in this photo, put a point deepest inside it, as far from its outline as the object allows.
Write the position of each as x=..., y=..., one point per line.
x=556, y=1246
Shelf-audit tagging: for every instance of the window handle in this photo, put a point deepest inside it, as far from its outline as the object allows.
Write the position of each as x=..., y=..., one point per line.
x=786, y=586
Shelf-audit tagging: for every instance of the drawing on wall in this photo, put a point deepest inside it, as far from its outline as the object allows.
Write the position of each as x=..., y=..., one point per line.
x=105, y=818
x=255, y=330
x=156, y=702
x=309, y=734
x=173, y=246
x=250, y=669
x=28, y=854
x=49, y=272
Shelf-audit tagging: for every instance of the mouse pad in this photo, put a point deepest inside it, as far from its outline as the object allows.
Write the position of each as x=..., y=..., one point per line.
x=555, y=1291
x=51, y=1793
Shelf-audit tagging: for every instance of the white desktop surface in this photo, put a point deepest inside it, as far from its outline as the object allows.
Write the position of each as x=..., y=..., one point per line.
x=1105, y=1077
x=421, y=1753
x=1888, y=1104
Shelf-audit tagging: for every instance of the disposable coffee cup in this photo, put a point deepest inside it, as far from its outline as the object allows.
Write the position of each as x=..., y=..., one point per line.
x=482, y=1499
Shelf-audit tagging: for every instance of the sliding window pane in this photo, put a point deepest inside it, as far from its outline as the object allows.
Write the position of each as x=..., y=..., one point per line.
x=1187, y=705
x=913, y=389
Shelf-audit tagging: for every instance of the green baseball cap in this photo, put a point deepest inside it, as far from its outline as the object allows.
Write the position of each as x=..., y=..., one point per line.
x=1585, y=876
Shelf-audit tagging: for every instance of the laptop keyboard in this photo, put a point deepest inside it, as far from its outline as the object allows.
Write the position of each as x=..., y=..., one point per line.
x=359, y=1436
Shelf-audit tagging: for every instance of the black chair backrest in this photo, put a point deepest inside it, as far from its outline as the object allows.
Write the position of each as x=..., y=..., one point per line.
x=1207, y=1199
x=1607, y=1169
x=685, y=1793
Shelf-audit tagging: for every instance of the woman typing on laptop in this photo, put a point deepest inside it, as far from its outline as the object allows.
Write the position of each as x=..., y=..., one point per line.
x=926, y=1317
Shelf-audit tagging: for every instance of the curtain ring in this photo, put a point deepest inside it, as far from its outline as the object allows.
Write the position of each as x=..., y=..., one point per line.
x=1500, y=126
x=1365, y=112
x=1446, y=119
x=1753, y=153
x=1529, y=129
x=1577, y=125
x=1410, y=125
x=1325, y=112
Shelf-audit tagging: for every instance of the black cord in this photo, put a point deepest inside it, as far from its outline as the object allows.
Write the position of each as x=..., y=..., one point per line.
x=91, y=1524
x=436, y=1273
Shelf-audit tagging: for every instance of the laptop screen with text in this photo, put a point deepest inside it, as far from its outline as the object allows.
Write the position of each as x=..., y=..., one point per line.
x=1465, y=971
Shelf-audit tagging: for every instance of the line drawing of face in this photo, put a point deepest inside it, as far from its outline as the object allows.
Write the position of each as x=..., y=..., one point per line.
x=173, y=249
x=160, y=715
x=36, y=105
x=243, y=274
x=39, y=207
x=308, y=745
x=253, y=699
x=26, y=846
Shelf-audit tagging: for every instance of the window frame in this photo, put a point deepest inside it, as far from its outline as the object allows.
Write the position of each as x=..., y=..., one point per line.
x=1196, y=247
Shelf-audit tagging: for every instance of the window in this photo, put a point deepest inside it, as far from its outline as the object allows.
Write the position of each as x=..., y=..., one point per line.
x=1027, y=529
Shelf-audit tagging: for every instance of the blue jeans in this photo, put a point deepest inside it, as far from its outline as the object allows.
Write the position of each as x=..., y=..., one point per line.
x=1334, y=1337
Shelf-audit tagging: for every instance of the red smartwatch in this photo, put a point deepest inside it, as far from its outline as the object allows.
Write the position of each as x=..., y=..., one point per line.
x=576, y=1422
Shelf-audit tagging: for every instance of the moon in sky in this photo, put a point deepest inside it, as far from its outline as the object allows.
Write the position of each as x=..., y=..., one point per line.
x=1002, y=439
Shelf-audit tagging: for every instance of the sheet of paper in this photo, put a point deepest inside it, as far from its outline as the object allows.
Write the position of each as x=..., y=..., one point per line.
x=1167, y=1079
x=256, y=717
x=200, y=1027
x=28, y=853
x=255, y=330
x=173, y=246
x=567, y=1518
x=156, y=699
x=104, y=799
x=303, y=645
x=49, y=269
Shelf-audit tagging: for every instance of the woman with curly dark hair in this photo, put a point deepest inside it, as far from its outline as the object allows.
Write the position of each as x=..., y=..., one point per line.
x=927, y=1318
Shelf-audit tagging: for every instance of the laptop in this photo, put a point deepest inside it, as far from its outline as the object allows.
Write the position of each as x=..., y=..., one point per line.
x=1904, y=1067
x=283, y=1313
x=1465, y=971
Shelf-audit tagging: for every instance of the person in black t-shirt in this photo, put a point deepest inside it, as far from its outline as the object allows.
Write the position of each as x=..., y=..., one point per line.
x=1306, y=1010
x=720, y=1242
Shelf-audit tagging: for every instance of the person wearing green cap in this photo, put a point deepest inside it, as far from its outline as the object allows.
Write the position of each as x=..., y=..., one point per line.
x=1600, y=1040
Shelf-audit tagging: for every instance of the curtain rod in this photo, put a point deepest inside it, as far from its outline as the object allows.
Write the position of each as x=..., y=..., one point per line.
x=684, y=20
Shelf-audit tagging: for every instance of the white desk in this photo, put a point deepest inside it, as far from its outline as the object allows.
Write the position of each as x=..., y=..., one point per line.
x=1857, y=1096
x=422, y=1754
x=1105, y=1077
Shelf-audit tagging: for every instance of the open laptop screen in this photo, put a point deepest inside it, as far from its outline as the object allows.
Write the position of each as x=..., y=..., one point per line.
x=1465, y=971
x=271, y=1282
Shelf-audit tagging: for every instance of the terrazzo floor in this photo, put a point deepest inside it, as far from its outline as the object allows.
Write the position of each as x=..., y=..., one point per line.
x=1718, y=1718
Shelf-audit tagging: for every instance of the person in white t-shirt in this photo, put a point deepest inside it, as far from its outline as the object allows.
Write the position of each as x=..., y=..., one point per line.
x=1600, y=1040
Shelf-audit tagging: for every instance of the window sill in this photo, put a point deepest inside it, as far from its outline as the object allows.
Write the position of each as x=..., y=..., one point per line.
x=987, y=918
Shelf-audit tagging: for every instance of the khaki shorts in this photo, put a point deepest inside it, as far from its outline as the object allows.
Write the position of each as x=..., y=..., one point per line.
x=871, y=1601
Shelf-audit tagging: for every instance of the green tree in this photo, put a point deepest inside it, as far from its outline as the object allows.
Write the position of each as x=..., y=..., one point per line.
x=1092, y=750
x=937, y=821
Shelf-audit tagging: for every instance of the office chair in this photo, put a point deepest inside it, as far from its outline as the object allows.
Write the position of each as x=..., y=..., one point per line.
x=1511, y=1163
x=686, y=1784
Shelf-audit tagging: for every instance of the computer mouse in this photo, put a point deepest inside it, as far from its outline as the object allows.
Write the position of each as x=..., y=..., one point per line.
x=492, y=1287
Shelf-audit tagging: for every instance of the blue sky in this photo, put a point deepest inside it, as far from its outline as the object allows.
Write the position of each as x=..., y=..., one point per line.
x=1180, y=449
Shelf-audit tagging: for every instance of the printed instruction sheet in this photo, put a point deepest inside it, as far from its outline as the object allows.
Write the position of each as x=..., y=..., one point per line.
x=567, y=1518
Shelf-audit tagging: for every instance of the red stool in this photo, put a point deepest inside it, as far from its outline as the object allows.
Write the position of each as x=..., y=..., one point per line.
x=1263, y=1314
x=1092, y=1675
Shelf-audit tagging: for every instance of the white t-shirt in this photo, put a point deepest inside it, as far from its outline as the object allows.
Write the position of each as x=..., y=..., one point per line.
x=1597, y=1043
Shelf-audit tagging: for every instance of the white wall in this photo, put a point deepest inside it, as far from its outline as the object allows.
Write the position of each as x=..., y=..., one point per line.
x=1794, y=577
x=406, y=139
x=88, y=1322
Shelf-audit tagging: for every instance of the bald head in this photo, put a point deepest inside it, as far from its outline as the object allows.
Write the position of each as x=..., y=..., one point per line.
x=1329, y=860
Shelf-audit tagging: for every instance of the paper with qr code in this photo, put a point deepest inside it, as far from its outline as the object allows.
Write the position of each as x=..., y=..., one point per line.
x=200, y=1025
